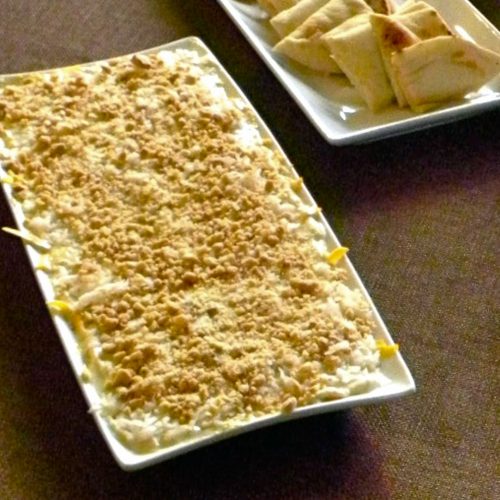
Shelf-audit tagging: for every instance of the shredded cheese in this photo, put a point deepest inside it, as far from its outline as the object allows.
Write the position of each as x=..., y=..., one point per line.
x=336, y=255
x=386, y=350
x=61, y=307
x=297, y=184
x=7, y=180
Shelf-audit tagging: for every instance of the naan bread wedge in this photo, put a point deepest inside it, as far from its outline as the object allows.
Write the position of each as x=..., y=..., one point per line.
x=442, y=69
x=394, y=33
x=273, y=7
x=304, y=44
x=290, y=19
x=355, y=49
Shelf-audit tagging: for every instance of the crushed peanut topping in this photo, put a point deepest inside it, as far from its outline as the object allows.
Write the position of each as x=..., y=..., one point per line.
x=197, y=276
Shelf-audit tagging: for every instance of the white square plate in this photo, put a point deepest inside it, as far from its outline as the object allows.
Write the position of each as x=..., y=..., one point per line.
x=400, y=381
x=334, y=107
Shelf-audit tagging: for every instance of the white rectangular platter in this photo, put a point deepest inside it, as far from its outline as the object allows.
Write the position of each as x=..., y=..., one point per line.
x=332, y=105
x=400, y=381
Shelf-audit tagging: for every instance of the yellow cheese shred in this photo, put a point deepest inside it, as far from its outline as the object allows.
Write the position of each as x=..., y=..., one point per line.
x=64, y=309
x=7, y=180
x=386, y=350
x=74, y=318
x=12, y=179
x=336, y=255
x=60, y=307
x=297, y=184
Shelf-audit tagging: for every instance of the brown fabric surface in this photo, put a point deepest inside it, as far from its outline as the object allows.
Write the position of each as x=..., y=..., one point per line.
x=420, y=214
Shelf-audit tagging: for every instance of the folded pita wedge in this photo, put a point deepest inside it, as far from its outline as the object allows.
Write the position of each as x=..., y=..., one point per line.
x=411, y=6
x=280, y=5
x=399, y=31
x=267, y=6
x=442, y=69
x=273, y=7
x=354, y=47
x=290, y=19
x=304, y=44
x=392, y=36
x=382, y=6
x=425, y=23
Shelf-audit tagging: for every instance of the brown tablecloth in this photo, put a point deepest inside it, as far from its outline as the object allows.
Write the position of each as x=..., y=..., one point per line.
x=420, y=213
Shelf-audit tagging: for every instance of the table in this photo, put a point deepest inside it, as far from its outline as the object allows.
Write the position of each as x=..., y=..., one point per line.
x=419, y=212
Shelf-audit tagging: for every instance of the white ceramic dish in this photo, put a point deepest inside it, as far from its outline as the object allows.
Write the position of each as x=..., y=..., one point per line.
x=395, y=369
x=333, y=106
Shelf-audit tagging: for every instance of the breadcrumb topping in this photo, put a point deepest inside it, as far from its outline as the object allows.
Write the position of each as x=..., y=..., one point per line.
x=181, y=251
